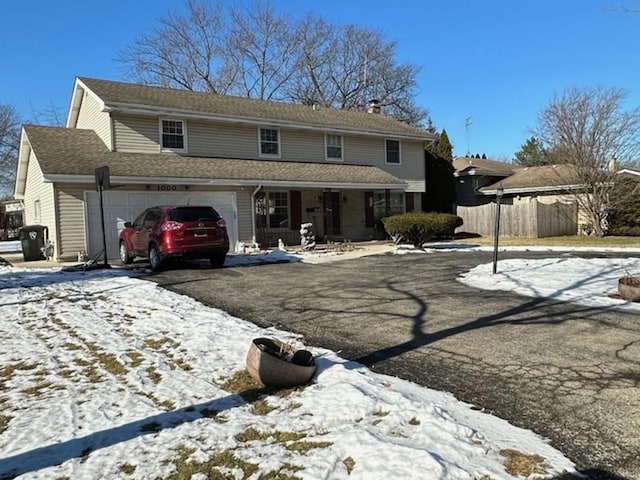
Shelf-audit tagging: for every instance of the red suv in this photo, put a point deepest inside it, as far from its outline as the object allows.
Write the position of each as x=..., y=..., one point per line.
x=175, y=231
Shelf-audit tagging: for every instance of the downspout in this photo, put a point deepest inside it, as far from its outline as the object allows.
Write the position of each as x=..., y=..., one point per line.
x=253, y=213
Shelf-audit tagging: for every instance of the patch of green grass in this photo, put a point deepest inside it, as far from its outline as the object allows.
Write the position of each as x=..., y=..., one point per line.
x=304, y=447
x=72, y=346
x=159, y=343
x=110, y=363
x=414, y=421
x=127, y=468
x=153, y=375
x=251, y=434
x=239, y=382
x=349, y=464
x=523, y=465
x=215, y=468
x=261, y=407
x=135, y=357
x=4, y=422
x=36, y=390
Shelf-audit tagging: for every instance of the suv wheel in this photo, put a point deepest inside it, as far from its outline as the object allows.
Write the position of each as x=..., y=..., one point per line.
x=124, y=253
x=155, y=259
x=217, y=259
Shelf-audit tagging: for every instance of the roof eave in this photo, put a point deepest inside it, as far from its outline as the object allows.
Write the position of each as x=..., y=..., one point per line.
x=254, y=121
x=517, y=190
x=208, y=182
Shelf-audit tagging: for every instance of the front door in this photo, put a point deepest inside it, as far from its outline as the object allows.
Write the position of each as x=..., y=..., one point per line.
x=331, y=205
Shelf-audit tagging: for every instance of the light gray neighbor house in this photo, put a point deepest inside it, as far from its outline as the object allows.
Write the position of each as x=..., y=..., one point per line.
x=265, y=166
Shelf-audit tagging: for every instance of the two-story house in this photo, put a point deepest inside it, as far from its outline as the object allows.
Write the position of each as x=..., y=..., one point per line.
x=265, y=166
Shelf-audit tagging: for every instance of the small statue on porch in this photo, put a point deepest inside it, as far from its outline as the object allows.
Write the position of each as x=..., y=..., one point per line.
x=307, y=238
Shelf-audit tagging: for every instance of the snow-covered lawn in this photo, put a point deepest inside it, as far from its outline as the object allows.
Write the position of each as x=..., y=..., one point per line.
x=105, y=375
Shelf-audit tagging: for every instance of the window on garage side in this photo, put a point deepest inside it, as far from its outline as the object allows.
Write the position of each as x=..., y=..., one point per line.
x=269, y=142
x=272, y=210
x=392, y=151
x=173, y=135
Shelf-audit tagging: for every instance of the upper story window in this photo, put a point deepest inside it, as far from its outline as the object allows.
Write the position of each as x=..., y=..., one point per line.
x=269, y=142
x=333, y=144
x=392, y=151
x=173, y=135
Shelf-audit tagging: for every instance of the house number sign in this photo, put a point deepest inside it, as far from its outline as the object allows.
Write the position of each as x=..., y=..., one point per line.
x=170, y=188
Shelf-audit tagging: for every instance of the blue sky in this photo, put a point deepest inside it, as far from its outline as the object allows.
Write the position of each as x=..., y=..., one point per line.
x=495, y=62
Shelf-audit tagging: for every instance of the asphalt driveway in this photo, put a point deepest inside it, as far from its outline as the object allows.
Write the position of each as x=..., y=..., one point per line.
x=567, y=371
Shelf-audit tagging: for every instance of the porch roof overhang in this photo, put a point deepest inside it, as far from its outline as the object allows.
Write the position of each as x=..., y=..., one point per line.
x=116, y=180
x=72, y=155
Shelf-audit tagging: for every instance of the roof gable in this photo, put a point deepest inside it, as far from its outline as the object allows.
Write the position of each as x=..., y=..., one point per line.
x=120, y=96
x=465, y=166
x=542, y=178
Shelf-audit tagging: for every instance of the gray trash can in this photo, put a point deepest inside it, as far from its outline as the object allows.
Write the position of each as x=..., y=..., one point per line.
x=33, y=239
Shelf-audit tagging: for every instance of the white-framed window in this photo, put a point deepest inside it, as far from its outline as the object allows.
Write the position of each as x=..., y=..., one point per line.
x=173, y=135
x=37, y=211
x=269, y=142
x=333, y=146
x=396, y=204
x=272, y=209
x=392, y=151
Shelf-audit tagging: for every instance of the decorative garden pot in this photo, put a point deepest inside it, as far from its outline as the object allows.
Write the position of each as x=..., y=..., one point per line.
x=629, y=288
x=276, y=364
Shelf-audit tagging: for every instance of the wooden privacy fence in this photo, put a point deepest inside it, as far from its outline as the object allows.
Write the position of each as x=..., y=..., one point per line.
x=532, y=220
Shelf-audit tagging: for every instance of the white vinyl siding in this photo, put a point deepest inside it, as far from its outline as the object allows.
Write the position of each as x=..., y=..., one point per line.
x=222, y=140
x=38, y=194
x=91, y=118
x=136, y=134
x=71, y=235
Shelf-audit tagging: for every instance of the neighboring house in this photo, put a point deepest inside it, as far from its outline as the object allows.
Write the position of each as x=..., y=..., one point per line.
x=265, y=166
x=10, y=219
x=472, y=174
x=537, y=202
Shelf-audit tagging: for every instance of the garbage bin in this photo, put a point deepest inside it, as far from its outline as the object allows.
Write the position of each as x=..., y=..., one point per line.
x=33, y=238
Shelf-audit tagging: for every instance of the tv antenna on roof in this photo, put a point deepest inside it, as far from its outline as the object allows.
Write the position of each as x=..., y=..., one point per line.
x=467, y=124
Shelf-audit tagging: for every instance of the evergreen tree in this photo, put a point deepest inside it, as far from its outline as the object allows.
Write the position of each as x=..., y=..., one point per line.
x=444, y=149
x=531, y=154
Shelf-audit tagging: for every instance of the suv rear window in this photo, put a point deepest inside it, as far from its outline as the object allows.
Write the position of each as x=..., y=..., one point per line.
x=193, y=214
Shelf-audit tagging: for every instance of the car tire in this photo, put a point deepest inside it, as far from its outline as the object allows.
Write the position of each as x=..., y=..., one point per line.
x=217, y=259
x=125, y=257
x=155, y=258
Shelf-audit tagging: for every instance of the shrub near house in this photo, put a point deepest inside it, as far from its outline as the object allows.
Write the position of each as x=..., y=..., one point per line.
x=418, y=228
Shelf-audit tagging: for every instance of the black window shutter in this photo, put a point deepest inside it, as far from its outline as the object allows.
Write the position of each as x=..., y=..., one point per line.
x=295, y=197
x=368, y=210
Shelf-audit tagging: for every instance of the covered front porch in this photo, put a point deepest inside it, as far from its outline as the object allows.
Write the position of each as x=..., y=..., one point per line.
x=336, y=214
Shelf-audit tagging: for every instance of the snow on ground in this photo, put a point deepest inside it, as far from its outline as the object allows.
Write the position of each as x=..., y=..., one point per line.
x=105, y=375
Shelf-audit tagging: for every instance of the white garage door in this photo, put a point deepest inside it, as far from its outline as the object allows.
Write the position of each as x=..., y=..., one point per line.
x=120, y=207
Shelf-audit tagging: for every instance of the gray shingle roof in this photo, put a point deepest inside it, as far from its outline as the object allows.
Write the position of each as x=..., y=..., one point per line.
x=482, y=166
x=121, y=95
x=539, y=177
x=66, y=151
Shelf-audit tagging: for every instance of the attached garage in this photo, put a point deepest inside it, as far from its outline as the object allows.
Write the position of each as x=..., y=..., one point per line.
x=123, y=206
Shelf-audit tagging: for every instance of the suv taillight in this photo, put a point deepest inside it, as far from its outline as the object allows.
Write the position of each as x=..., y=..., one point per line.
x=221, y=223
x=171, y=225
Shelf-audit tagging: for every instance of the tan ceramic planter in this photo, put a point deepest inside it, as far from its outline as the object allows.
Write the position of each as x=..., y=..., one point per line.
x=275, y=364
x=629, y=288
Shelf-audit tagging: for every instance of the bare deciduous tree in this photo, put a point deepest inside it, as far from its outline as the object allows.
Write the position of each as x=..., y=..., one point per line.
x=257, y=53
x=9, y=144
x=590, y=130
x=184, y=51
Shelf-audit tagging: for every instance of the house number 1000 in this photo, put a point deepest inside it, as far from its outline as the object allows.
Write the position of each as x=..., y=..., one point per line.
x=167, y=188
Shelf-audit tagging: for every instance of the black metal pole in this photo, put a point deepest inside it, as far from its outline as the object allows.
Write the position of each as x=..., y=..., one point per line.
x=496, y=234
x=104, y=235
